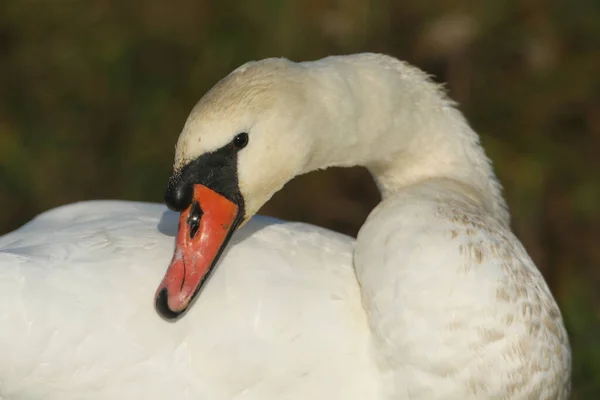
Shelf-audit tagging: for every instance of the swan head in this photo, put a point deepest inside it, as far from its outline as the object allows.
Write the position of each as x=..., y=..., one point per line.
x=240, y=144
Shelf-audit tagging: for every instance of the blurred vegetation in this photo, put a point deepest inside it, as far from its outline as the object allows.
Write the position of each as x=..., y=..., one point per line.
x=93, y=95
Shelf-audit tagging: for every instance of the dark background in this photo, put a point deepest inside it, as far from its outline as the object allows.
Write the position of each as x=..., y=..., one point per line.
x=93, y=95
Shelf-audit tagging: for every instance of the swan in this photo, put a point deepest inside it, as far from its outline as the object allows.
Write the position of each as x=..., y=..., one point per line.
x=435, y=299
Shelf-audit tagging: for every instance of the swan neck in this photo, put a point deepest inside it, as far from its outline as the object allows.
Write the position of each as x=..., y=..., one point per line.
x=389, y=117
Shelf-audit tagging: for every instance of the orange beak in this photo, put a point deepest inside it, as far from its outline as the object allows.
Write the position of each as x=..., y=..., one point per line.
x=204, y=230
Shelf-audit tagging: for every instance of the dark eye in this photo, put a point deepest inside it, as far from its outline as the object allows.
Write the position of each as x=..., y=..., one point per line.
x=240, y=141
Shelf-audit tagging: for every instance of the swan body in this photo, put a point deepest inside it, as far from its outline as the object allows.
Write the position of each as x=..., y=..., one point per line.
x=436, y=299
x=77, y=320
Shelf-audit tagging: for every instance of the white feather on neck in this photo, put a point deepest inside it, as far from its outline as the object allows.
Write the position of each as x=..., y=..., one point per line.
x=388, y=116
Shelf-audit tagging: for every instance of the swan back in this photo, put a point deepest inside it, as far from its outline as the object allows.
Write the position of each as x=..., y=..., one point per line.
x=76, y=288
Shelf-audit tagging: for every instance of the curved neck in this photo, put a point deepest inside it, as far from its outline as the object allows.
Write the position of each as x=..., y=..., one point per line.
x=375, y=111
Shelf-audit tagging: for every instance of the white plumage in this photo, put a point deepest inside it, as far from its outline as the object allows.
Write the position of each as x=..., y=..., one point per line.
x=78, y=321
x=437, y=299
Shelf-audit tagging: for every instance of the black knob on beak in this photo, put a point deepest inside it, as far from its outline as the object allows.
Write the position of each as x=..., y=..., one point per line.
x=179, y=193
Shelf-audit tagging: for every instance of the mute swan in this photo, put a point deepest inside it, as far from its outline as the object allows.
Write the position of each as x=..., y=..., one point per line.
x=436, y=299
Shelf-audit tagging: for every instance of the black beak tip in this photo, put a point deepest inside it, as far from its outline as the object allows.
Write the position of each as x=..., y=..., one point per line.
x=162, y=306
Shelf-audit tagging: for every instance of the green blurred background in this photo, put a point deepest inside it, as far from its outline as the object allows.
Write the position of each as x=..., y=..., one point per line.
x=93, y=95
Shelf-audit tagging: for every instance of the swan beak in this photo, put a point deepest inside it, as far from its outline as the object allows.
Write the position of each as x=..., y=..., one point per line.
x=204, y=229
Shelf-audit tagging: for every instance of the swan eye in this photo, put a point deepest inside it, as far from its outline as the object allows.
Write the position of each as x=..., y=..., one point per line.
x=240, y=141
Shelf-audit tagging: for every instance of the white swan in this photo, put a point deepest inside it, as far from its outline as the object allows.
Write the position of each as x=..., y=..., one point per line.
x=440, y=301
